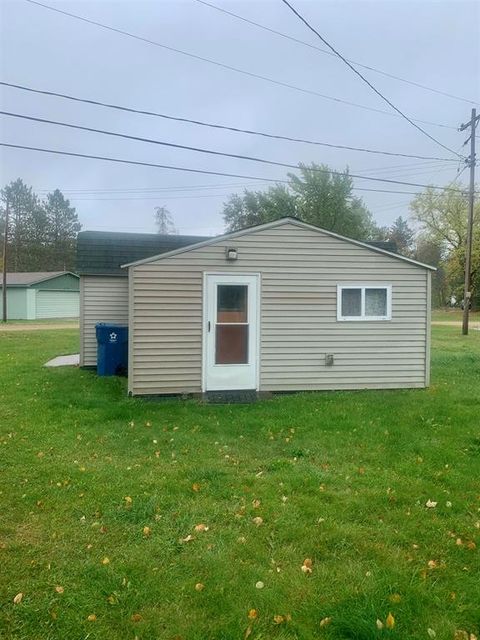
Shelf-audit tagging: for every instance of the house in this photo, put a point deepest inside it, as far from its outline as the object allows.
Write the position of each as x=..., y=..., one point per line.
x=103, y=282
x=283, y=306
x=43, y=294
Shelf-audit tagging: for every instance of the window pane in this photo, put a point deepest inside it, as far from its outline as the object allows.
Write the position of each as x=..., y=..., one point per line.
x=232, y=303
x=351, y=302
x=231, y=344
x=375, y=302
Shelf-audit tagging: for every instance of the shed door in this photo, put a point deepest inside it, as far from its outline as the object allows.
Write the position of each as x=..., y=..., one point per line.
x=57, y=304
x=231, y=332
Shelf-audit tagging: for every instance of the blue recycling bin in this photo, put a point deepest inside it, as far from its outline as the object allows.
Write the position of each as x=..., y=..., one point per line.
x=112, y=349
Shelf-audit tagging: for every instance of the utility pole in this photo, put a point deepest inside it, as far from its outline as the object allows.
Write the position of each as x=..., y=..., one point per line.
x=471, y=201
x=4, y=275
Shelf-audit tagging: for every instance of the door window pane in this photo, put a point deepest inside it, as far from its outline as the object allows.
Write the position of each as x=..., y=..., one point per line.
x=232, y=303
x=376, y=302
x=351, y=302
x=231, y=344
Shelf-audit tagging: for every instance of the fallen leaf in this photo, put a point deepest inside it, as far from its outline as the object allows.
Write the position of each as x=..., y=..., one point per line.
x=196, y=487
x=306, y=570
x=255, y=504
x=278, y=619
x=379, y=624
x=430, y=504
x=18, y=598
x=188, y=538
x=431, y=633
x=471, y=545
x=259, y=585
x=460, y=635
x=257, y=521
x=395, y=597
x=106, y=560
x=92, y=617
x=325, y=621
x=201, y=527
x=112, y=599
x=199, y=586
x=136, y=617
x=248, y=632
x=390, y=621
x=432, y=564
x=128, y=501
x=252, y=614
x=146, y=531
x=59, y=589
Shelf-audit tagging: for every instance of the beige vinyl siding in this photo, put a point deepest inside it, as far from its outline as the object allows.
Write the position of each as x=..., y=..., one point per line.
x=300, y=269
x=102, y=299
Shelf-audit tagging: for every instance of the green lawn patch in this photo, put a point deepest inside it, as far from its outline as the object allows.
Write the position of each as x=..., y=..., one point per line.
x=101, y=496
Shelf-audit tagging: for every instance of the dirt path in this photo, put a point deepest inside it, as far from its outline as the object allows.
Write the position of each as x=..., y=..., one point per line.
x=37, y=326
x=454, y=323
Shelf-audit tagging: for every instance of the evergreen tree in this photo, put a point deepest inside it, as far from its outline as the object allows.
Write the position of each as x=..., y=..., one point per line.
x=62, y=228
x=41, y=235
x=24, y=224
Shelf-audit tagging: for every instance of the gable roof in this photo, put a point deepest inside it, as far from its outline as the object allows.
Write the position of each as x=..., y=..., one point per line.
x=278, y=223
x=28, y=278
x=104, y=252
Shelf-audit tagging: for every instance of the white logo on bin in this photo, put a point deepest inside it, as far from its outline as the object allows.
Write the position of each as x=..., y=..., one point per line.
x=113, y=337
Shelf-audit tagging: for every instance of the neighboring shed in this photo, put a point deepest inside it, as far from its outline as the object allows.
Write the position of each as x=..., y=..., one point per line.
x=39, y=295
x=283, y=306
x=104, y=284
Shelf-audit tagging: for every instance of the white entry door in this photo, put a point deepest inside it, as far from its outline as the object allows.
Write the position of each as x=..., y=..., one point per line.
x=231, y=332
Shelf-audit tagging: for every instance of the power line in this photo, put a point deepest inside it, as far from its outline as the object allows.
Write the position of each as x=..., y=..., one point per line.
x=330, y=53
x=357, y=72
x=220, y=126
x=167, y=190
x=220, y=64
x=216, y=173
x=184, y=147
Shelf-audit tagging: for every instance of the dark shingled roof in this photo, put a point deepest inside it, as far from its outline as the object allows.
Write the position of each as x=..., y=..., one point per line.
x=104, y=252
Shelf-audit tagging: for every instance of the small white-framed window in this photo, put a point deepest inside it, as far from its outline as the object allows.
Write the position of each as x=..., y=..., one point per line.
x=364, y=302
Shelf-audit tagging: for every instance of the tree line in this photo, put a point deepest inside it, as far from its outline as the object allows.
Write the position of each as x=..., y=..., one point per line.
x=42, y=233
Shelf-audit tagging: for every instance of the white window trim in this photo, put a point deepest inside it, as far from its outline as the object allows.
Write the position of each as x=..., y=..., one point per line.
x=363, y=317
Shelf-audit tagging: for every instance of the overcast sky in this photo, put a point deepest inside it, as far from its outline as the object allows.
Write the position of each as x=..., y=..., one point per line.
x=432, y=43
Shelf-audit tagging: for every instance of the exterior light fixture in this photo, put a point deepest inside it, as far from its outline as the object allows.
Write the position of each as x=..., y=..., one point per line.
x=231, y=253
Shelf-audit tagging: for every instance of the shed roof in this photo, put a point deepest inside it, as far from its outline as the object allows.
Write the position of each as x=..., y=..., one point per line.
x=27, y=278
x=104, y=252
x=377, y=247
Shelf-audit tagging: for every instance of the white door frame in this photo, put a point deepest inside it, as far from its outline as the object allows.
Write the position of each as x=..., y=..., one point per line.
x=205, y=319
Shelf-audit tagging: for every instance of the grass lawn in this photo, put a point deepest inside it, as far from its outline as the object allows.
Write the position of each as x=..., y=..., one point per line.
x=101, y=494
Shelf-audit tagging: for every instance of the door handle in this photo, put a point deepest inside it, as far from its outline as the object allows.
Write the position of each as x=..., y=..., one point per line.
x=208, y=326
